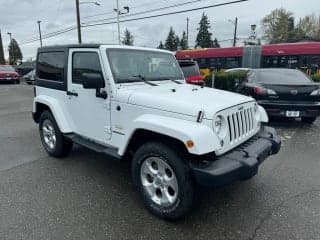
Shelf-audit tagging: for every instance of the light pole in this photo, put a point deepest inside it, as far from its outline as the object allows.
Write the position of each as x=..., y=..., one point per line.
x=118, y=11
x=78, y=17
x=12, y=46
x=235, y=23
x=40, y=33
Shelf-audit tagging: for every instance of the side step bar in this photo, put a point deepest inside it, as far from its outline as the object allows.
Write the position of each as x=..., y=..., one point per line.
x=93, y=145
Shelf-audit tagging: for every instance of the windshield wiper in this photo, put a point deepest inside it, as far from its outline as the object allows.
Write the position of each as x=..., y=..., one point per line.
x=172, y=80
x=142, y=78
x=175, y=81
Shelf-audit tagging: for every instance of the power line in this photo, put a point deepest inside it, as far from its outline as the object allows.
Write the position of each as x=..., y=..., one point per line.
x=112, y=12
x=149, y=11
x=166, y=14
x=58, y=31
x=62, y=31
x=49, y=35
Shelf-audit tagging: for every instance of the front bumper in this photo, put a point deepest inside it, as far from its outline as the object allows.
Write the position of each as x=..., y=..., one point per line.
x=279, y=108
x=241, y=163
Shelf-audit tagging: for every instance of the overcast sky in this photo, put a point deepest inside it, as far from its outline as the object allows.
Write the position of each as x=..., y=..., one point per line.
x=20, y=17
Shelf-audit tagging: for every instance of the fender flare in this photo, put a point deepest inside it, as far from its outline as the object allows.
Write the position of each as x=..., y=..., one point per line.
x=203, y=137
x=59, y=114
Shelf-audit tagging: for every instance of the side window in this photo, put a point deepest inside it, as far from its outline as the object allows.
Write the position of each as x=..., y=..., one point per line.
x=51, y=66
x=85, y=62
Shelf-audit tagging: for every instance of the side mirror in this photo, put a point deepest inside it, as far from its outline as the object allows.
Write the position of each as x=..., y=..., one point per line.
x=92, y=81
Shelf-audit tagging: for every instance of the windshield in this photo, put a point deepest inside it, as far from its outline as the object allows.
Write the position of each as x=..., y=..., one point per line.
x=137, y=65
x=282, y=76
x=6, y=68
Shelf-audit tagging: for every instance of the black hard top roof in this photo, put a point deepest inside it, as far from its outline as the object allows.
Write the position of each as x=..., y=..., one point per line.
x=67, y=46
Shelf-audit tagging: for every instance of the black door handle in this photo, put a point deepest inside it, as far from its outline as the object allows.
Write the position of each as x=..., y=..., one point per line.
x=72, y=94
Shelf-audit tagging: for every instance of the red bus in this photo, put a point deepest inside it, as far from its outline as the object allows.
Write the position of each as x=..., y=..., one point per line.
x=303, y=55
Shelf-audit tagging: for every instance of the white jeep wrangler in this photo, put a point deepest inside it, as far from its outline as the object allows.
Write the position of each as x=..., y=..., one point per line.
x=133, y=103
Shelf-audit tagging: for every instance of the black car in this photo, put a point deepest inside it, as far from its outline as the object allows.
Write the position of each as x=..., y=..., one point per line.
x=284, y=93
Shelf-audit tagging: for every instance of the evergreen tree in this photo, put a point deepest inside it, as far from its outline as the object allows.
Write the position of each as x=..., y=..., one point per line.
x=216, y=43
x=171, y=41
x=15, y=53
x=203, y=39
x=2, y=60
x=177, y=42
x=128, y=38
x=184, y=41
x=161, y=46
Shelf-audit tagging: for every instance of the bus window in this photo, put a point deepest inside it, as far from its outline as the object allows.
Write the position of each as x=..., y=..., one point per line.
x=304, y=61
x=314, y=64
x=232, y=62
x=270, y=62
x=202, y=62
x=282, y=62
x=293, y=61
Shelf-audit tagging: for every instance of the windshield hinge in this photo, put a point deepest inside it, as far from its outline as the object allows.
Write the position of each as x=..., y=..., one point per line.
x=107, y=129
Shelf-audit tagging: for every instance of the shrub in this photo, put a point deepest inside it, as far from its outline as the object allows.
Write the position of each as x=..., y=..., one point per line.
x=316, y=77
x=226, y=81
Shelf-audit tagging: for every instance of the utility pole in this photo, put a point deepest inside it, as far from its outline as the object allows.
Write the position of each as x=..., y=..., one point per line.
x=78, y=22
x=118, y=22
x=12, y=46
x=78, y=17
x=40, y=33
x=188, y=30
x=2, y=58
x=117, y=10
x=235, y=32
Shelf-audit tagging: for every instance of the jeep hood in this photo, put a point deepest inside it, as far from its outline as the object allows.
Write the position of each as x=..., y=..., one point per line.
x=183, y=99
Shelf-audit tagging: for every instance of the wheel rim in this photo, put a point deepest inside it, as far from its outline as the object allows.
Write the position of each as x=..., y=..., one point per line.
x=49, y=134
x=159, y=181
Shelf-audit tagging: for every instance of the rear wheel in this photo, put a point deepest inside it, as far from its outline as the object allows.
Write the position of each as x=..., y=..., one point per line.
x=309, y=120
x=163, y=180
x=52, y=139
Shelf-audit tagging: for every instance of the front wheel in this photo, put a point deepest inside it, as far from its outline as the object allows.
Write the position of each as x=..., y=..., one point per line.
x=52, y=139
x=163, y=180
x=308, y=120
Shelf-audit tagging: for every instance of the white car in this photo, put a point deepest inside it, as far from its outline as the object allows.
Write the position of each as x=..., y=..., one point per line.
x=133, y=104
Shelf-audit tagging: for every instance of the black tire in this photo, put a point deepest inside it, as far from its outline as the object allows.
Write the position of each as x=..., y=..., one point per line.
x=17, y=82
x=308, y=120
x=62, y=146
x=184, y=199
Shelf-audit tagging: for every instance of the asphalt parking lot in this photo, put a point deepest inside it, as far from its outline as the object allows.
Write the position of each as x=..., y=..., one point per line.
x=87, y=196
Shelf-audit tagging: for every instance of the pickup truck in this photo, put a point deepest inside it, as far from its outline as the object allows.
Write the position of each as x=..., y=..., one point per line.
x=133, y=104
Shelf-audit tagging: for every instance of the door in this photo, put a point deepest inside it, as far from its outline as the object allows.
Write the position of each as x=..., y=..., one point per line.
x=90, y=114
x=251, y=57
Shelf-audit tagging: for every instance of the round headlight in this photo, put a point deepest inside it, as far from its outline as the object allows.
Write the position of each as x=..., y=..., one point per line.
x=217, y=124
